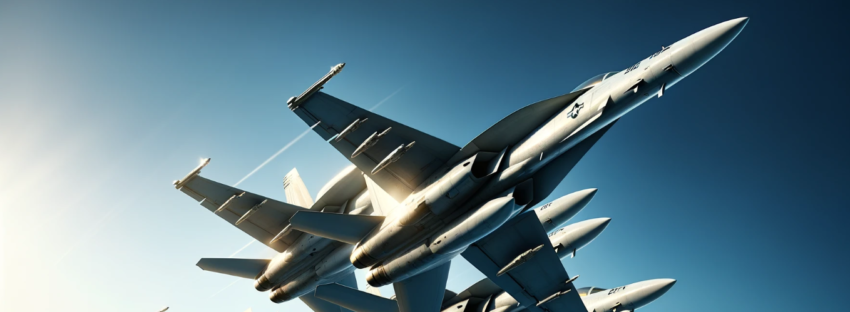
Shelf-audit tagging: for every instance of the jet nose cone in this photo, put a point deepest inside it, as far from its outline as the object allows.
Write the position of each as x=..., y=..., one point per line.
x=598, y=223
x=648, y=291
x=665, y=284
x=712, y=40
x=701, y=47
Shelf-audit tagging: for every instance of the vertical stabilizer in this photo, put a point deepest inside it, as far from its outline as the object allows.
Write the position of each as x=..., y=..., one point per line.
x=296, y=191
x=382, y=202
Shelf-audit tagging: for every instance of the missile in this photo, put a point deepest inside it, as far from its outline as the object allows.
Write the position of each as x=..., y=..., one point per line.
x=251, y=212
x=296, y=101
x=554, y=296
x=286, y=230
x=179, y=183
x=353, y=126
x=228, y=202
x=369, y=142
x=394, y=156
x=577, y=235
x=522, y=258
x=554, y=214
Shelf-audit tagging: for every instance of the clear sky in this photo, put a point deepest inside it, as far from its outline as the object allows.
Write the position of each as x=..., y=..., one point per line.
x=734, y=183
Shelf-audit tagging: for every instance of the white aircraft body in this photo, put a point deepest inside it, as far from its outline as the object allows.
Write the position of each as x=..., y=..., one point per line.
x=474, y=200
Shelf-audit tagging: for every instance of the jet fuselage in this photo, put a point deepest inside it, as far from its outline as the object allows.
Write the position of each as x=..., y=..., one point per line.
x=470, y=199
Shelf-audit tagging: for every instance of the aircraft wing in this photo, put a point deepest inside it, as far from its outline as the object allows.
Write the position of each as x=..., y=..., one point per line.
x=262, y=222
x=537, y=281
x=331, y=116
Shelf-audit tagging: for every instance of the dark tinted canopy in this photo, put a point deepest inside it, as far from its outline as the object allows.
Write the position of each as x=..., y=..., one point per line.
x=584, y=291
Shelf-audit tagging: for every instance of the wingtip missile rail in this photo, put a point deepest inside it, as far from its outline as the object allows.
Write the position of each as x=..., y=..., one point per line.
x=296, y=101
x=179, y=183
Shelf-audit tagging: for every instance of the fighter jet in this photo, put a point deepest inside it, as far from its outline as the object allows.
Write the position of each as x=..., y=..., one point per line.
x=474, y=200
x=305, y=260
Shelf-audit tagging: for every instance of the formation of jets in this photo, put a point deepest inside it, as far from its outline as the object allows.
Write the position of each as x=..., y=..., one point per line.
x=412, y=202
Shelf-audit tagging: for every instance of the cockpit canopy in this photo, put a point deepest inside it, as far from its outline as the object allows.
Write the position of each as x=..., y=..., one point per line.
x=593, y=81
x=584, y=291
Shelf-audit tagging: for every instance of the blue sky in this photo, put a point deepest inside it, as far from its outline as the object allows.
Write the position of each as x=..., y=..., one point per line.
x=734, y=182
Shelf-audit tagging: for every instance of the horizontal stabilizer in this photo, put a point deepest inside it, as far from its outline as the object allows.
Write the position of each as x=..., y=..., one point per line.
x=247, y=268
x=339, y=227
x=355, y=300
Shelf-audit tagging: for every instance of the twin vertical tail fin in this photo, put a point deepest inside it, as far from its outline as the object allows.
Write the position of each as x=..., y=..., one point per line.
x=296, y=191
x=382, y=202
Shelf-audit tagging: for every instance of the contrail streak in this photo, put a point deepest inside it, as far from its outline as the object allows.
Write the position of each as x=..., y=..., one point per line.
x=285, y=147
x=225, y=287
x=387, y=98
x=243, y=248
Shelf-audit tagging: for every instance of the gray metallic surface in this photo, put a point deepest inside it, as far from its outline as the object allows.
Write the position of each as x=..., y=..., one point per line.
x=559, y=211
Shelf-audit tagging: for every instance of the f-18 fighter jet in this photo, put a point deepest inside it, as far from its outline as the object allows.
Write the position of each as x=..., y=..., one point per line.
x=473, y=201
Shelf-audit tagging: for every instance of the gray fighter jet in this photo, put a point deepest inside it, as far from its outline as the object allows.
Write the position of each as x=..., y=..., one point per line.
x=443, y=200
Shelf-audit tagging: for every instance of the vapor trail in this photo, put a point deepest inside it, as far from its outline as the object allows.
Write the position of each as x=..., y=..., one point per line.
x=285, y=147
x=387, y=98
x=243, y=248
x=225, y=287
